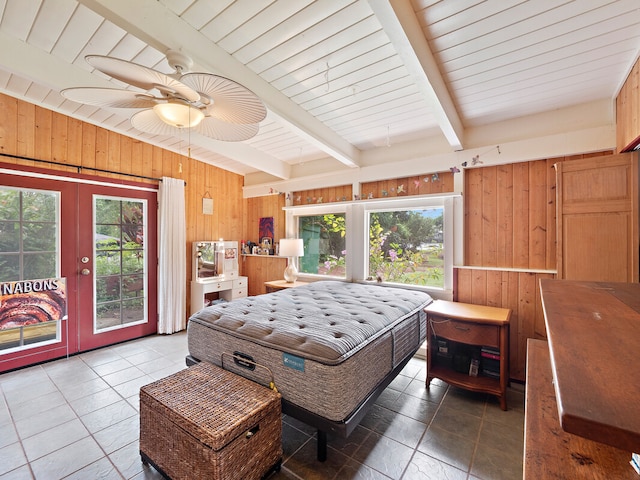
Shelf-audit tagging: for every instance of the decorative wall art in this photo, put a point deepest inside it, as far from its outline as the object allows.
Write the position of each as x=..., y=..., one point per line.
x=207, y=204
x=266, y=230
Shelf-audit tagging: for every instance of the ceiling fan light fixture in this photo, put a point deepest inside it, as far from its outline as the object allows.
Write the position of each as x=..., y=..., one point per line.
x=178, y=114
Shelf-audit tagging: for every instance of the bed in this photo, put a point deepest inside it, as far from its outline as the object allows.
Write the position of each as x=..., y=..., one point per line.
x=330, y=347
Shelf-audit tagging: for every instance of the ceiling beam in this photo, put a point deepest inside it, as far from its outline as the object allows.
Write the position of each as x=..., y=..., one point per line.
x=156, y=25
x=31, y=63
x=400, y=23
x=249, y=155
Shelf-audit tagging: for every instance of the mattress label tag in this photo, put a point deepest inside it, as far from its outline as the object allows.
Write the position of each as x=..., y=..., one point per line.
x=291, y=361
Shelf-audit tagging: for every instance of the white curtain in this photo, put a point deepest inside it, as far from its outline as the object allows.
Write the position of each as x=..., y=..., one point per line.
x=172, y=269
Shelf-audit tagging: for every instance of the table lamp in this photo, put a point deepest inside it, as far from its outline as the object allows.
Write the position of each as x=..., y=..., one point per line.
x=291, y=247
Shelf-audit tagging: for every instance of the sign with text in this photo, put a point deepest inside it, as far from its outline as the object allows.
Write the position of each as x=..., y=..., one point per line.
x=31, y=302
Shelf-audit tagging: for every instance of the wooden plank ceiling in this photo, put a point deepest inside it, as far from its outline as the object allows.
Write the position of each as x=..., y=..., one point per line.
x=340, y=78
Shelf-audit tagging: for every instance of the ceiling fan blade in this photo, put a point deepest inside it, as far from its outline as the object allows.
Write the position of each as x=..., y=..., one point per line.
x=232, y=102
x=109, y=97
x=147, y=121
x=228, y=132
x=141, y=76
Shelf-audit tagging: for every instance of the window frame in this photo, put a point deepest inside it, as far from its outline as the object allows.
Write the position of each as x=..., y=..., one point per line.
x=292, y=215
x=357, y=234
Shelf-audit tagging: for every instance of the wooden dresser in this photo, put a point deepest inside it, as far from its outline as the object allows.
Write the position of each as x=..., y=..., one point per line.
x=582, y=400
x=552, y=453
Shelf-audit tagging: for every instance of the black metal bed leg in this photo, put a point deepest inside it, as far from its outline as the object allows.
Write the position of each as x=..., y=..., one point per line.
x=322, y=446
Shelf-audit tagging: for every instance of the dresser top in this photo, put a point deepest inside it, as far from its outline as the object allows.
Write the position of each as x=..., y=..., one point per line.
x=593, y=330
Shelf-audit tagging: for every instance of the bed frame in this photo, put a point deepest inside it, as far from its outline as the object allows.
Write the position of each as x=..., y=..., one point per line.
x=378, y=330
x=323, y=425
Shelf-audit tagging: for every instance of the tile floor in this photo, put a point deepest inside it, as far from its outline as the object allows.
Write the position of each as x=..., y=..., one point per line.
x=77, y=418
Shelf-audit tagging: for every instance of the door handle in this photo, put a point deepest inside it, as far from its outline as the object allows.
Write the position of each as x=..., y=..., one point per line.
x=85, y=271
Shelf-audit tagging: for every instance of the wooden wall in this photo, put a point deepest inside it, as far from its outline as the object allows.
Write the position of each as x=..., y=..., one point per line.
x=256, y=208
x=31, y=131
x=260, y=268
x=440, y=182
x=510, y=244
x=628, y=111
x=510, y=215
x=341, y=193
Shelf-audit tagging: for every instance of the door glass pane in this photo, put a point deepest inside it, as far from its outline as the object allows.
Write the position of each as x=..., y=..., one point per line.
x=120, y=262
x=29, y=250
x=9, y=236
x=39, y=265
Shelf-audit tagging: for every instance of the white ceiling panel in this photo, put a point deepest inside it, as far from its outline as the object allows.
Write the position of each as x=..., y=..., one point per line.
x=235, y=14
x=77, y=33
x=343, y=46
x=338, y=77
x=266, y=19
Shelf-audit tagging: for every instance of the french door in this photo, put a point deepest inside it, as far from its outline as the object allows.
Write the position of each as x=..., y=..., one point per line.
x=117, y=265
x=99, y=239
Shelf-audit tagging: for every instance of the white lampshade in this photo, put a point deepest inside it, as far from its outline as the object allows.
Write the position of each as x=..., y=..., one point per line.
x=178, y=114
x=291, y=247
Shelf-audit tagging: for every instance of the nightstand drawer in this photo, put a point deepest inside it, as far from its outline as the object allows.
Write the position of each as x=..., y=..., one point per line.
x=465, y=332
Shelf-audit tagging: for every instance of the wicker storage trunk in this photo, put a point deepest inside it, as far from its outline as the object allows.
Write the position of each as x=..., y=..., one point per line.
x=207, y=423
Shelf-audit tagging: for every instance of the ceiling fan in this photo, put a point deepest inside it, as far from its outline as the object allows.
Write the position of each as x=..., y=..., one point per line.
x=214, y=106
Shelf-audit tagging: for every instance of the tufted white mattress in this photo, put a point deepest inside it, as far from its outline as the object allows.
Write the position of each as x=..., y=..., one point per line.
x=327, y=345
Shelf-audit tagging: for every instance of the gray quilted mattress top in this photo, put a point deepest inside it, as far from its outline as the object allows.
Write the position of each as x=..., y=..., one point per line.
x=325, y=321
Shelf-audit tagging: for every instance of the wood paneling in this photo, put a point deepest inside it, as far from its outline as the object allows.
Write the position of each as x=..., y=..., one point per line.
x=260, y=269
x=441, y=182
x=341, y=193
x=31, y=131
x=510, y=236
x=598, y=219
x=510, y=219
x=628, y=111
x=256, y=208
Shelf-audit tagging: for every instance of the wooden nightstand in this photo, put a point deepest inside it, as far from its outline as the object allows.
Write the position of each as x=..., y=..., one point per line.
x=457, y=334
x=275, y=285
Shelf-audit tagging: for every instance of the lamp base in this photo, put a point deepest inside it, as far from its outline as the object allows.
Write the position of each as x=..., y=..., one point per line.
x=290, y=273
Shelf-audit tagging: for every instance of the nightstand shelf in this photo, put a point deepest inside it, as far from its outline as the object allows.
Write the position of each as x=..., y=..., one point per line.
x=457, y=333
x=463, y=380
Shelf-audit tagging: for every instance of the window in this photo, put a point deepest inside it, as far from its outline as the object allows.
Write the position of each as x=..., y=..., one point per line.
x=406, y=240
x=324, y=244
x=29, y=250
x=407, y=246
